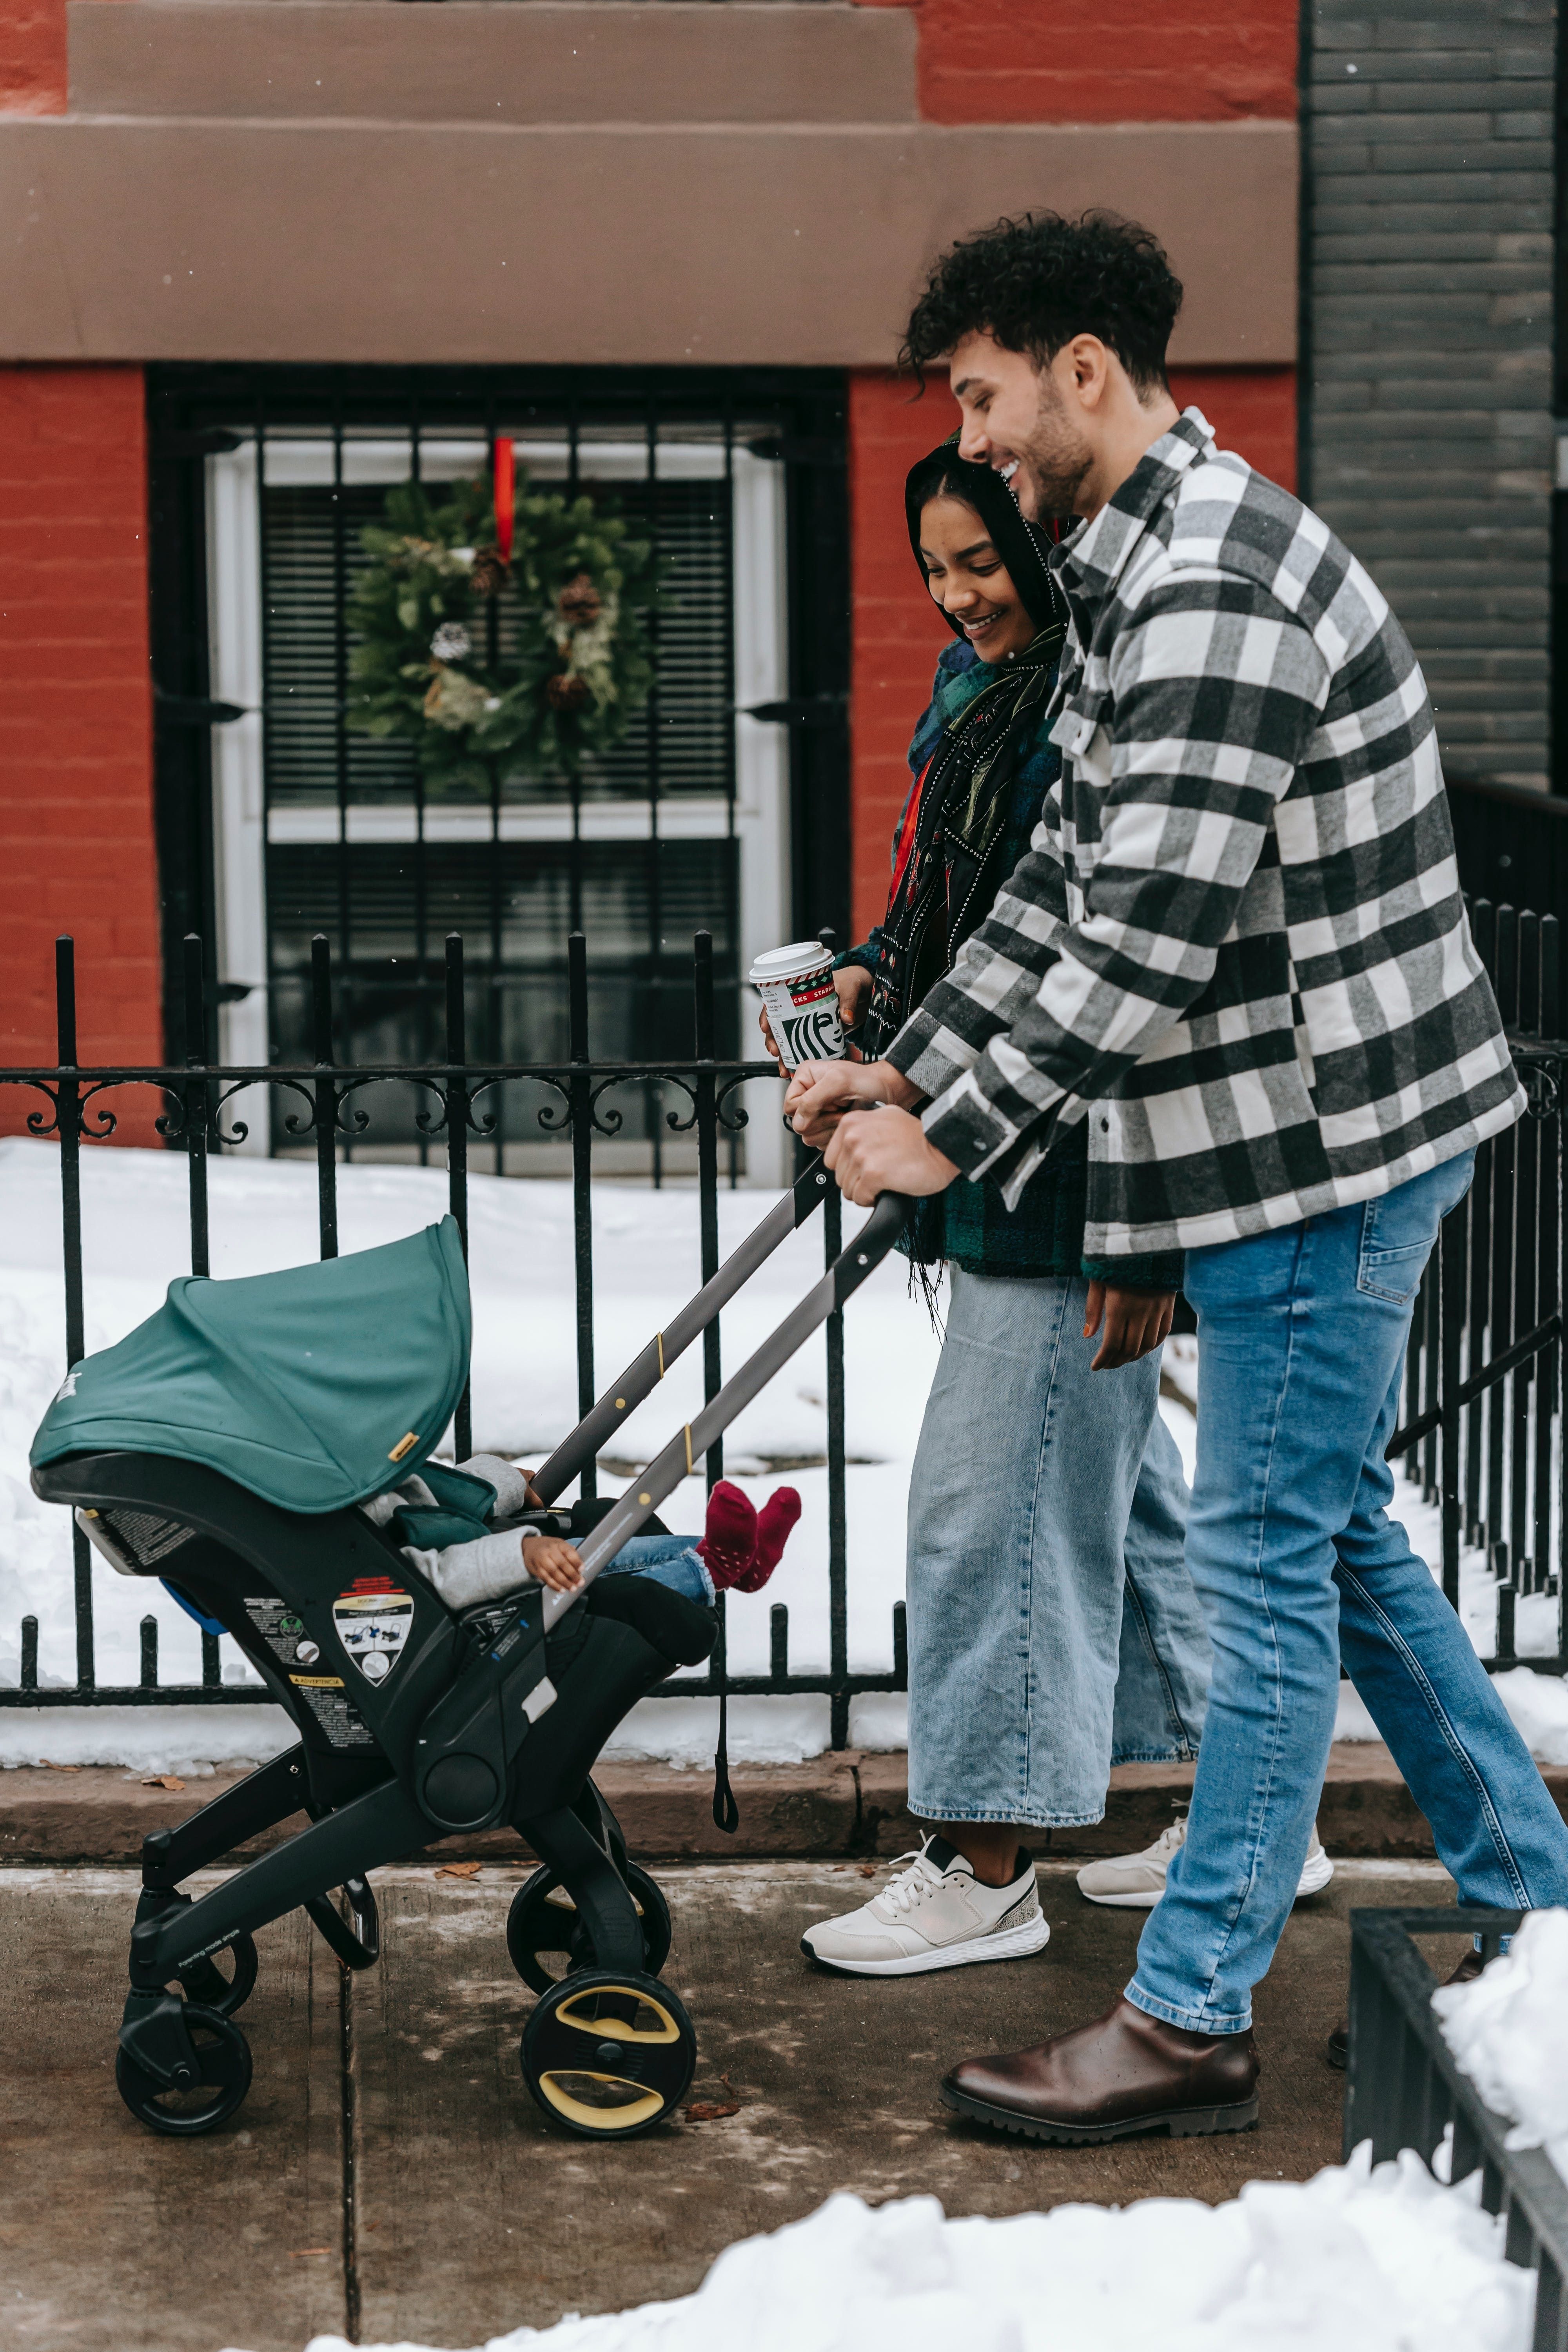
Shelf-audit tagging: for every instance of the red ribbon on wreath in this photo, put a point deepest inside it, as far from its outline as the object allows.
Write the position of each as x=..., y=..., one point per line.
x=504, y=471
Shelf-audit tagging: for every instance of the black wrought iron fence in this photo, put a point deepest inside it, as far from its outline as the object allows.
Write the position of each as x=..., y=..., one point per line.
x=323, y=1108
x=1482, y=1428
x=1483, y=1400
x=1403, y=2089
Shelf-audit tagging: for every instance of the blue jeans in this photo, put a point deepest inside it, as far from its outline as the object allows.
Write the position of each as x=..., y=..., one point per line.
x=668, y=1559
x=1301, y=1338
x=1053, y=1627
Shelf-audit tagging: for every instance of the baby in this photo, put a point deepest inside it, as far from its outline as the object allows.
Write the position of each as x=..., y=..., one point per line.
x=738, y=1550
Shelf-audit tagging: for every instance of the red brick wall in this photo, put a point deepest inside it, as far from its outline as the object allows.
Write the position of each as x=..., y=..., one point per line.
x=897, y=635
x=1120, y=61
x=1032, y=62
x=76, y=748
x=76, y=751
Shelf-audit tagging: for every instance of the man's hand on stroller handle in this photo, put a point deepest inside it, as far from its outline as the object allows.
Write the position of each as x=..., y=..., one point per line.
x=552, y=1561
x=875, y=1151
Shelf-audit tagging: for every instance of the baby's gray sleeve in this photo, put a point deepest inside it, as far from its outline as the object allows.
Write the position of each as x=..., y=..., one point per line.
x=509, y=1482
x=467, y=1573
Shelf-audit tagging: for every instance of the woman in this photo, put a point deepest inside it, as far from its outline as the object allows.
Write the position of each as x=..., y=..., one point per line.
x=1053, y=1629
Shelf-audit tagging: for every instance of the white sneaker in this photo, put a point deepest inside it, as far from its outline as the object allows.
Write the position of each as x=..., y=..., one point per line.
x=1135, y=1882
x=933, y=1914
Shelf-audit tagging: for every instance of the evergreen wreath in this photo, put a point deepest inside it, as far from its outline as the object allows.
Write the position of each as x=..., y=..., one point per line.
x=570, y=655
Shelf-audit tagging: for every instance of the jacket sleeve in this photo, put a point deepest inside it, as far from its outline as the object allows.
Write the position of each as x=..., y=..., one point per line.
x=1217, y=690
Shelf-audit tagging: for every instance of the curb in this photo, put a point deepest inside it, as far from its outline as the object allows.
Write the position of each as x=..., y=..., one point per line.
x=853, y=1806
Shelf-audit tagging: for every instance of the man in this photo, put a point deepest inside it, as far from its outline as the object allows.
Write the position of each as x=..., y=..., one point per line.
x=1237, y=949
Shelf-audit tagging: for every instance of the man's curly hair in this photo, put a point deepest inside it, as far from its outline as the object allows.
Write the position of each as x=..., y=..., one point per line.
x=1035, y=282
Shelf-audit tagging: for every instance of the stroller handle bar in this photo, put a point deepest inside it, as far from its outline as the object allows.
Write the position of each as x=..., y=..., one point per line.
x=644, y=1373
x=681, y=1457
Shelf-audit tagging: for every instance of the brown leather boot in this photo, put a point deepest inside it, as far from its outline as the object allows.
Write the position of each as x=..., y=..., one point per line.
x=1126, y=2073
x=1339, y=2049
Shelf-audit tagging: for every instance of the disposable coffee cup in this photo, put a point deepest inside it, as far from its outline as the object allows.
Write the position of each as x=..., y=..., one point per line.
x=795, y=984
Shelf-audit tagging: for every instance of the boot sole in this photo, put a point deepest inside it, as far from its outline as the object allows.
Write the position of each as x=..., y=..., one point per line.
x=1015, y=1944
x=1182, y=2123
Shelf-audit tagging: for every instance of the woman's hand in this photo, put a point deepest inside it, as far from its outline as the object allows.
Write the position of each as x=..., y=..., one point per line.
x=821, y=1092
x=853, y=985
x=550, y=1560
x=1135, y=1321
x=877, y=1152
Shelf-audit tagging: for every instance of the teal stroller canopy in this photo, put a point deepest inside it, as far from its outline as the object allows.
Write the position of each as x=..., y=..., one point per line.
x=314, y=1388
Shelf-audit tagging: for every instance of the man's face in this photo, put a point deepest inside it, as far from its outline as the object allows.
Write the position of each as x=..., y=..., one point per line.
x=1019, y=419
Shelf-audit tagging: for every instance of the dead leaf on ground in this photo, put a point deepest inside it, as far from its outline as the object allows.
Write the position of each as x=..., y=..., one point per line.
x=49, y=1765
x=459, y=1870
x=868, y=1870
x=709, y=2111
x=297, y=2253
x=163, y=1780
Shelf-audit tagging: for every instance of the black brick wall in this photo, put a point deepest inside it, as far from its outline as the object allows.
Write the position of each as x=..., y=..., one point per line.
x=1427, y=407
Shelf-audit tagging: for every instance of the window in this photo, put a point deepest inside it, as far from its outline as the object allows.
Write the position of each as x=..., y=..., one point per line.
x=724, y=809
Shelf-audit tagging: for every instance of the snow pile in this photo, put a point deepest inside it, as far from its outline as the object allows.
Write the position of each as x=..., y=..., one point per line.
x=1355, y=2261
x=1507, y=2029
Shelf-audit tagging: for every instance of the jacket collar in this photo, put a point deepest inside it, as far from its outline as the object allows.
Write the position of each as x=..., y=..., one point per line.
x=1095, y=556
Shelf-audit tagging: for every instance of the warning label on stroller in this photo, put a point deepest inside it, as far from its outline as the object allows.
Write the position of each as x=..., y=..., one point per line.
x=372, y=1620
x=284, y=1635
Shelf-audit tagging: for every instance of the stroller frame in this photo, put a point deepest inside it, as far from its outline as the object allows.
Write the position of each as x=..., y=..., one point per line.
x=457, y=1741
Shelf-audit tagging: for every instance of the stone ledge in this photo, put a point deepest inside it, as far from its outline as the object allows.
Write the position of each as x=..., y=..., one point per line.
x=853, y=1805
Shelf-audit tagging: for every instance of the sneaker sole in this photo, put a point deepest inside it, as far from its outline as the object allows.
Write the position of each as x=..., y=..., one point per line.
x=1015, y=1944
x=1184, y=2123
x=1314, y=1880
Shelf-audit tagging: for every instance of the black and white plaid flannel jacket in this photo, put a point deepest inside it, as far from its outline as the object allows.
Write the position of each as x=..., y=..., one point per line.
x=1236, y=944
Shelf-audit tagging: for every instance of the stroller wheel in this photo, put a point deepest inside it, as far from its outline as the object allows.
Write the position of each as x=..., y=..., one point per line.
x=220, y=1987
x=184, y=2111
x=608, y=2056
x=543, y=1927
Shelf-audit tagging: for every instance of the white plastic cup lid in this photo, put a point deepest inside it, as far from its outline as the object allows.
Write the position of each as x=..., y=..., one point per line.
x=789, y=962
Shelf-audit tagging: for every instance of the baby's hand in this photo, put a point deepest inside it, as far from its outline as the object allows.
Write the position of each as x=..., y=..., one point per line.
x=550, y=1560
x=530, y=1490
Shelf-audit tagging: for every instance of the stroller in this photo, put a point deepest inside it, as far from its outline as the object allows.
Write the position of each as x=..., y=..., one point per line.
x=223, y=1447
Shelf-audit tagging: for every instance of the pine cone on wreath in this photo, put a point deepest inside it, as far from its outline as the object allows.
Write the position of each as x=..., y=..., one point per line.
x=566, y=691
x=488, y=575
x=579, y=601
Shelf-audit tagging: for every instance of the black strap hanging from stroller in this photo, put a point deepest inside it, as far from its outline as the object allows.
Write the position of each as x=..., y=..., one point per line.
x=726, y=1812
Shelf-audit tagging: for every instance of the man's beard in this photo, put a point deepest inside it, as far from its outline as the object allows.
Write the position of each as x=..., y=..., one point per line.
x=1055, y=461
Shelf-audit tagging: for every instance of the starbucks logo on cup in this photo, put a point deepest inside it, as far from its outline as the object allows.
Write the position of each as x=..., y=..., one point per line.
x=795, y=984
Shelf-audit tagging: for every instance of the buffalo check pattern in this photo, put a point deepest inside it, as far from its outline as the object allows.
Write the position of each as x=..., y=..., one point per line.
x=1236, y=944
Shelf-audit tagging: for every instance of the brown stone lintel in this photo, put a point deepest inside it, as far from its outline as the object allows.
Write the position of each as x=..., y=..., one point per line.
x=853, y=1805
x=597, y=61
x=763, y=244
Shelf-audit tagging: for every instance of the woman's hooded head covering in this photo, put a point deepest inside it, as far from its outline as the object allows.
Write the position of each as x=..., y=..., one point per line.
x=1021, y=546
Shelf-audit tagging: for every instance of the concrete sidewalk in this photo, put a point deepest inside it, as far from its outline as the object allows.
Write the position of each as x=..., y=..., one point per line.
x=390, y=2178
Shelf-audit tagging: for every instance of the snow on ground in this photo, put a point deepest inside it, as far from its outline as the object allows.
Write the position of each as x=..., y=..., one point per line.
x=263, y=1215
x=1353, y=2261
x=1507, y=2029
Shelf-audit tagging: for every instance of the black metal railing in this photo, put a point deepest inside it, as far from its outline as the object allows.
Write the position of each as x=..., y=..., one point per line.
x=1482, y=1423
x=1403, y=2089
x=323, y=1110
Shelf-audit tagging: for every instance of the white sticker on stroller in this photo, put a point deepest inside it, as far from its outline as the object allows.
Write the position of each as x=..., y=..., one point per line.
x=374, y=1620
x=323, y=1695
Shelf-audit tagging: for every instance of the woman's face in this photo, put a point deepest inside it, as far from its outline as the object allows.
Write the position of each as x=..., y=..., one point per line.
x=969, y=579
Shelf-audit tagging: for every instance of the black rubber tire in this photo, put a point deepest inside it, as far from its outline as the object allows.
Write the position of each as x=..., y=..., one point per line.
x=184, y=2115
x=608, y=2056
x=534, y=1920
x=206, y=1983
